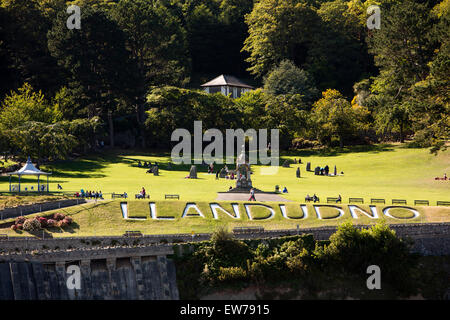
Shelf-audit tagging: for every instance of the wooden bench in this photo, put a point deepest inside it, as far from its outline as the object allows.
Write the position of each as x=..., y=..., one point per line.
x=354, y=200
x=118, y=195
x=421, y=202
x=132, y=234
x=378, y=201
x=247, y=229
x=172, y=196
x=139, y=196
x=443, y=203
x=334, y=200
x=398, y=201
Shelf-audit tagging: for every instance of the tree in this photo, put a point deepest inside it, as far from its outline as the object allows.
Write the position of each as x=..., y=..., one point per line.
x=334, y=117
x=97, y=61
x=26, y=105
x=288, y=79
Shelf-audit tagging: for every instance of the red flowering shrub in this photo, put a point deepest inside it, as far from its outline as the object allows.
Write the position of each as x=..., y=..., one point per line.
x=51, y=223
x=68, y=220
x=43, y=221
x=58, y=216
x=19, y=226
x=20, y=220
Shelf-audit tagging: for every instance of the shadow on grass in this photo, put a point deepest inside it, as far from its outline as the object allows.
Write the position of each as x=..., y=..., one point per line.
x=333, y=152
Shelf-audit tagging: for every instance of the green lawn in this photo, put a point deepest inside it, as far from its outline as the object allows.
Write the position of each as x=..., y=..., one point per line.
x=382, y=171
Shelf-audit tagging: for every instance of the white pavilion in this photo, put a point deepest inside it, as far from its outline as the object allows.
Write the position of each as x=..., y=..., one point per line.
x=29, y=170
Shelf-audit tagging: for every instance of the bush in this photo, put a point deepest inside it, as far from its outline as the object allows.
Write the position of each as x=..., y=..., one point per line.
x=51, y=223
x=300, y=143
x=62, y=223
x=31, y=225
x=231, y=274
x=42, y=221
x=58, y=216
x=20, y=220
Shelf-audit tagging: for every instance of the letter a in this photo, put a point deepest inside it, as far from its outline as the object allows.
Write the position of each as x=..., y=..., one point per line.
x=74, y=280
x=374, y=281
x=374, y=21
x=74, y=21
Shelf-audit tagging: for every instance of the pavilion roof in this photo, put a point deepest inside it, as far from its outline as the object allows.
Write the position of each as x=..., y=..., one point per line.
x=28, y=170
x=224, y=80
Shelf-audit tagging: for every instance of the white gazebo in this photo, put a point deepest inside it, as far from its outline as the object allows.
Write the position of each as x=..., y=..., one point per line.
x=227, y=85
x=29, y=170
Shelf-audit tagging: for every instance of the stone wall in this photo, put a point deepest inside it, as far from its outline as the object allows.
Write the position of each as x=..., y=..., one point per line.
x=107, y=274
x=430, y=239
x=39, y=207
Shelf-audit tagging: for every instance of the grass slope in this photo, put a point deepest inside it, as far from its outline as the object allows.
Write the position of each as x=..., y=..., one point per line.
x=105, y=218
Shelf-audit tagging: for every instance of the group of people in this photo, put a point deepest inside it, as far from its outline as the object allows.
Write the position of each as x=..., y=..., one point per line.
x=146, y=164
x=313, y=198
x=89, y=194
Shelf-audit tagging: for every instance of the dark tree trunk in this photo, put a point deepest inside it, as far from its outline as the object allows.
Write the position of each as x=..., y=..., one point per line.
x=111, y=129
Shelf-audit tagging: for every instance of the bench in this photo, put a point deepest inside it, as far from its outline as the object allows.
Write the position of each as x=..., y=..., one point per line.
x=132, y=234
x=139, y=196
x=421, y=202
x=398, y=201
x=118, y=195
x=443, y=203
x=172, y=196
x=334, y=200
x=378, y=201
x=247, y=229
x=354, y=200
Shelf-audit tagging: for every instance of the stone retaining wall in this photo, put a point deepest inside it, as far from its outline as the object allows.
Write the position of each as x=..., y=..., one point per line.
x=39, y=207
x=430, y=239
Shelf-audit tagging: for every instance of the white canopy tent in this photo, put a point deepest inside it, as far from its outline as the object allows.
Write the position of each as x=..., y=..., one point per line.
x=29, y=170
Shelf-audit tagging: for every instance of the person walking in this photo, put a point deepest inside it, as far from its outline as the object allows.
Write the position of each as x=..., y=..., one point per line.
x=252, y=195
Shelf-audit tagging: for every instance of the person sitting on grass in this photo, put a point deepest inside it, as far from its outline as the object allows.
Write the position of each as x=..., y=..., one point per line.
x=125, y=195
x=339, y=199
x=285, y=190
x=100, y=194
x=308, y=198
x=315, y=198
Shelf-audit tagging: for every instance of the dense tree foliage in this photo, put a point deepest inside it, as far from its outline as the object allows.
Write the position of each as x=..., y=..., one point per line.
x=136, y=66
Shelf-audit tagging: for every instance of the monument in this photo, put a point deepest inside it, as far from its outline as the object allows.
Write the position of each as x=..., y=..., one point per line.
x=193, y=173
x=298, y=172
x=308, y=166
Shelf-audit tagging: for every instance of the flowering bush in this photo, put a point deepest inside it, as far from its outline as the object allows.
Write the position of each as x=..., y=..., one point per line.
x=51, y=223
x=62, y=223
x=58, y=216
x=42, y=221
x=31, y=225
x=20, y=220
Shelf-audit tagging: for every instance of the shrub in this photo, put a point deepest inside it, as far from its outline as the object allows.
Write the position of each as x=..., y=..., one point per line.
x=51, y=223
x=19, y=226
x=61, y=223
x=231, y=274
x=31, y=225
x=68, y=219
x=14, y=227
x=20, y=220
x=42, y=221
x=58, y=216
